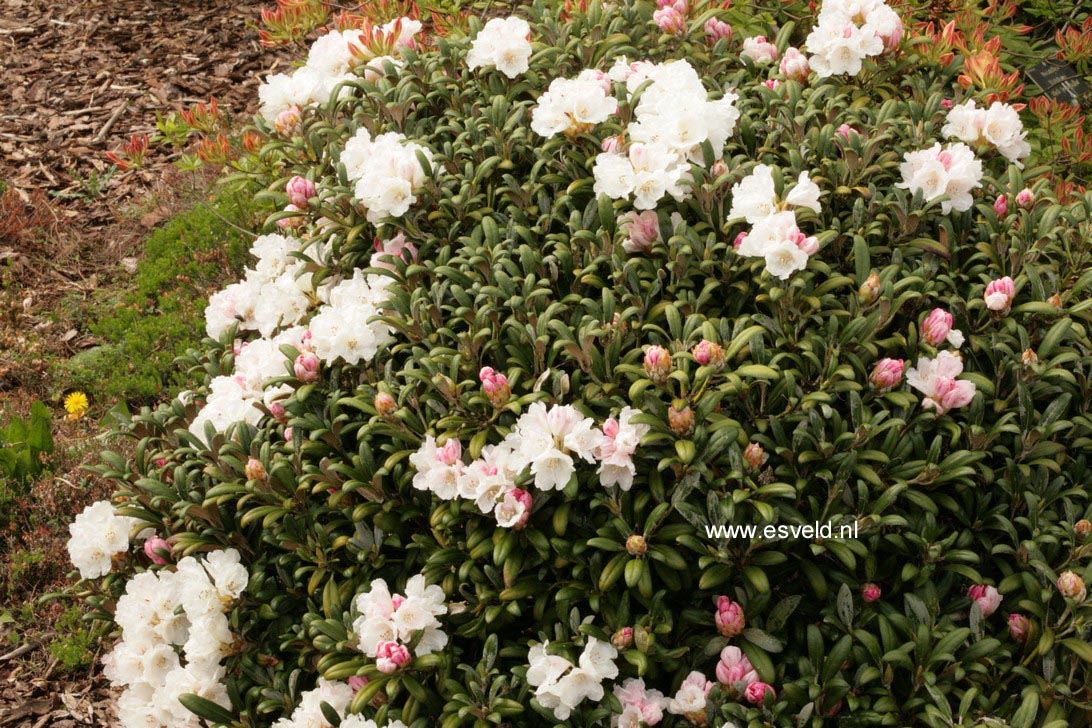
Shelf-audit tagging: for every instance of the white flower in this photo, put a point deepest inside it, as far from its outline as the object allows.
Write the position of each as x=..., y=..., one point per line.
x=953, y=171
x=598, y=659
x=97, y=535
x=344, y=328
x=502, y=43
x=548, y=439
x=754, y=197
x=804, y=193
x=615, y=453
x=389, y=173
x=759, y=50
x=571, y=106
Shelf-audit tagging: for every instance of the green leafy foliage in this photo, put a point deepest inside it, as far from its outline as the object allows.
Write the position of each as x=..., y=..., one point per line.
x=24, y=445
x=521, y=268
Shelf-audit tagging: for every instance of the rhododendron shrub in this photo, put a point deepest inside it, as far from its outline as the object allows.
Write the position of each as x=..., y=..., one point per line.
x=567, y=295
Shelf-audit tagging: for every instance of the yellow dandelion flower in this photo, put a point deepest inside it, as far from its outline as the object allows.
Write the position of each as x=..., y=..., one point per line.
x=76, y=405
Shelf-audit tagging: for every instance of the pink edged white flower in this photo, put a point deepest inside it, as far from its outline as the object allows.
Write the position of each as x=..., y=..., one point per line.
x=560, y=686
x=387, y=251
x=780, y=242
x=439, y=469
x=986, y=597
x=389, y=624
x=514, y=510
x=999, y=294
x=503, y=43
x=549, y=440
x=572, y=106
x=999, y=127
x=642, y=231
x=691, y=697
x=936, y=379
x=937, y=329
x=359, y=721
x=640, y=706
x=759, y=50
x=775, y=235
x=937, y=171
x=615, y=453
x=97, y=535
x=794, y=65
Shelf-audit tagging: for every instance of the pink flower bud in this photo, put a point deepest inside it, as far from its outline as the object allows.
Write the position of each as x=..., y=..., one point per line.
x=719, y=169
x=886, y=375
x=670, y=20
x=300, y=190
x=160, y=462
x=495, y=386
x=642, y=230
x=613, y=144
x=657, y=364
x=277, y=410
x=739, y=240
x=389, y=656
x=946, y=104
x=525, y=499
x=759, y=50
x=986, y=597
x=681, y=420
x=292, y=221
x=386, y=250
x=1018, y=627
x=1001, y=206
x=254, y=470
x=153, y=549
x=287, y=122
x=845, y=130
x=771, y=84
x=622, y=639
x=936, y=327
x=892, y=39
x=715, y=29
x=1071, y=586
x=794, y=65
x=1082, y=529
x=1025, y=199
x=870, y=592
x=757, y=691
x=356, y=682
x=870, y=289
x=999, y=294
x=611, y=428
x=288, y=434
x=384, y=404
x=734, y=671
x=636, y=545
x=450, y=452
x=754, y=456
x=708, y=354
x=307, y=367
x=397, y=600
x=809, y=245
x=729, y=617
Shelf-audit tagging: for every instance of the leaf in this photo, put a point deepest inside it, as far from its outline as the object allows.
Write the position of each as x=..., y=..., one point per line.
x=845, y=605
x=782, y=611
x=1080, y=648
x=206, y=709
x=763, y=640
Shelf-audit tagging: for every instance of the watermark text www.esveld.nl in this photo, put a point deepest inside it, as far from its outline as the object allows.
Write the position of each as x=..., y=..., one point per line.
x=772, y=531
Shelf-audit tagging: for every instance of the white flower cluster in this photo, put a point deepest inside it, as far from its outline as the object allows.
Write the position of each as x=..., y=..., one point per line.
x=672, y=120
x=405, y=619
x=386, y=171
x=998, y=126
x=308, y=714
x=503, y=43
x=847, y=32
x=232, y=397
x=333, y=58
x=572, y=106
x=175, y=633
x=547, y=442
x=560, y=686
x=952, y=170
x=276, y=292
x=774, y=234
x=344, y=327
x=97, y=535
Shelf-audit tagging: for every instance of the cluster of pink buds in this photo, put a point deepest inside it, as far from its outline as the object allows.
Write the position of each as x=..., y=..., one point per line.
x=755, y=456
x=794, y=65
x=708, y=354
x=495, y=386
x=657, y=364
x=622, y=639
x=670, y=16
x=300, y=190
x=715, y=29
x=254, y=470
x=389, y=656
x=986, y=597
x=729, y=617
x=1001, y=206
x=999, y=294
x=871, y=592
x=1018, y=627
x=680, y=418
x=306, y=367
x=886, y=375
x=1071, y=586
x=642, y=230
x=1025, y=199
x=937, y=328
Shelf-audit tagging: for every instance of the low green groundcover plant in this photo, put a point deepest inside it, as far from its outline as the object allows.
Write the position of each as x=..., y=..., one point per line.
x=554, y=303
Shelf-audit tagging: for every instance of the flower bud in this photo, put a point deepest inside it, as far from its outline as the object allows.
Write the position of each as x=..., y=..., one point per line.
x=307, y=367
x=495, y=386
x=739, y=240
x=1001, y=206
x=613, y=144
x=287, y=122
x=254, y=470
x=757, y=691
x=636, y=545
x=870, y=289
x=681, y=420
x=719, y=169
x=999, y=294
x=277, y=410
x=1055, y=301
x=1071, y=586
x=715, y=29
x=389, y=656
x=622, y=639
x=1018, y=627
x=1082, y=528
x=844, y=131
x=986, y=597
x=642, y=638
x=886, y=375
x=794, y=65
x=729, y=617
x=1025, y=199
x=356, y=682
x=754, y=456
x=657, y=364
x=870, y=592
x=670, y=20
x=292, y=221
x=771, y=83
x=384, y=404
x=154, y=548
x=946, y=104
x=300, y=190
x=936, y=327
x=1029, y=357
x=642, y=231
x=708, y=354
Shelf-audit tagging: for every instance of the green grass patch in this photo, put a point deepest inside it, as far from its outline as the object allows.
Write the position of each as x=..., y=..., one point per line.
x=146, y=324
